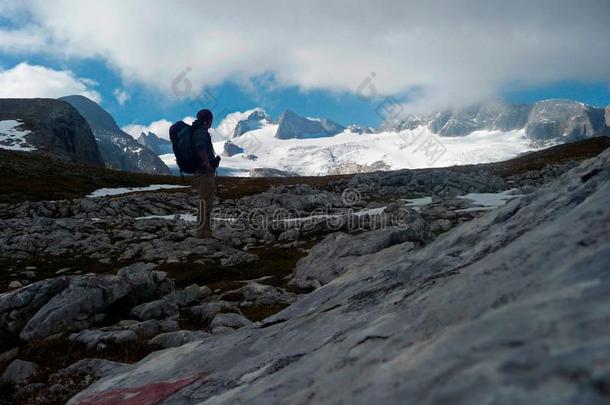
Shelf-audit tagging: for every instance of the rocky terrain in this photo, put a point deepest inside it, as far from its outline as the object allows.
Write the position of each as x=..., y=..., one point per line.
x=53, y=128
x=317, y=289
x=119, y=150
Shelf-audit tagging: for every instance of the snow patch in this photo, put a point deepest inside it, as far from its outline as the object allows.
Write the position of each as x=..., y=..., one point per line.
x=177, y=217
x=489, y=201
x=351, y=152
x=416, y=203
x=12, y=138
x=104, y=192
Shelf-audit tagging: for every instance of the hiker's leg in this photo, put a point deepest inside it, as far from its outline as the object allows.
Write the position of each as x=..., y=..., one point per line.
x=206, y=187
x=209, y=204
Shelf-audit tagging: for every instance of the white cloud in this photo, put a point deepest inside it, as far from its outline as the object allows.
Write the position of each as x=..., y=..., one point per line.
x=29, y=81
x=223, y=131
x=121, y=96
x=159, y=128
x=458, y=51
x=226, y=127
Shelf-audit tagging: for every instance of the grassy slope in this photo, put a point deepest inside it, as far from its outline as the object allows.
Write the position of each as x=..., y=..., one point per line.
x=30, y=177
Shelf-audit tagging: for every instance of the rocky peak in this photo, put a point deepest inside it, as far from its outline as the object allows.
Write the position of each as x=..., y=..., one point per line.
x=568, y=119
x=231, y=149
x=158, y=145
x=565, y=120
x=293, y=126
x=55, y=128
x=255, y=120
x=118, y=149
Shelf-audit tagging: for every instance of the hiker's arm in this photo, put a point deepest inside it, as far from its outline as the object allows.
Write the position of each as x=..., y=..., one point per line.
x=206, y=162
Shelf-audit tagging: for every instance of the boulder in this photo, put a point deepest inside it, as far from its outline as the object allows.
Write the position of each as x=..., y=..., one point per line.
x=192, y=294
x=288, y=235
x=166, y=307
x=177, y=338
x=339, y=251
x=125, y=332
x=94, y=337
x=98, y=368
x=67, y=304
x=19, y=306
x=74, y=307
x=19, y=372
x=206, y=312
x=228, y=320
x=261, y=294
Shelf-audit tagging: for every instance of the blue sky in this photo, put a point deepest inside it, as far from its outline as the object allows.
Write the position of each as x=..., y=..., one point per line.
x=305, y=57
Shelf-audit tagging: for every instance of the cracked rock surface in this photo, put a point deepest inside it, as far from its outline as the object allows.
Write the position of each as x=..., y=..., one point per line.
x=505, y=308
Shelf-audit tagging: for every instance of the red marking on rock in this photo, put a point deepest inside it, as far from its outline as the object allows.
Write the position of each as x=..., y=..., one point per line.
x=144, y=395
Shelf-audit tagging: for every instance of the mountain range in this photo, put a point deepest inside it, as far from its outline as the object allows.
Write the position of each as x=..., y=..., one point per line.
x=254, y=144
x=543, y=121
x=481, y=133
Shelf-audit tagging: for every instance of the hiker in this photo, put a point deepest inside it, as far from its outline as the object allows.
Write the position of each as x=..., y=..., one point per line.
x=192, y=146
x=204, y=177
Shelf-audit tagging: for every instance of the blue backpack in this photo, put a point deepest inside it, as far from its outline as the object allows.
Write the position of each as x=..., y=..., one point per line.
x=186, y=157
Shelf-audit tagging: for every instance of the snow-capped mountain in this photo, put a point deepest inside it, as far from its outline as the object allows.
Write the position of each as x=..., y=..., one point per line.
x=255, y=120
x=118, y=149
x=293, y=126
x=543, y=121
x=479, y=134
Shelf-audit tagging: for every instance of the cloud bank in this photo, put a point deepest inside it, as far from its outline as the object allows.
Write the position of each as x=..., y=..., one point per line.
x=28, y=81
x=159, y=128
x=450, y=52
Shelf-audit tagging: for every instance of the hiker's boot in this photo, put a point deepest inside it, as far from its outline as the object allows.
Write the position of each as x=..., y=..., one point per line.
x=203, y=233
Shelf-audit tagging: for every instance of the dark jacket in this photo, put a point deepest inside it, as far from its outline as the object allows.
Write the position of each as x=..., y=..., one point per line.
x=202, y=141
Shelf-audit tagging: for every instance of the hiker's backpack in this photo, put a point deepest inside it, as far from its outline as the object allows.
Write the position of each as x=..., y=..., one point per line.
x=186, y=157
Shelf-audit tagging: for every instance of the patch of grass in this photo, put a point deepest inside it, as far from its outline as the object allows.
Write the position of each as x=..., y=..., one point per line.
x=35, y=177
x=7, y=391
x=55, y=354
x=47, y=267
x=273, y=261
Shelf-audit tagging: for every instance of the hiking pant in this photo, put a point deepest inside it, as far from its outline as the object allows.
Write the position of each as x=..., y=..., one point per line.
x=206, y=187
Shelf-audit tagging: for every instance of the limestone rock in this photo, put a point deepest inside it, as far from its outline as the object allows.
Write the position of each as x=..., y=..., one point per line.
x=338, y=252
x=207, y=311
x=228, y=320
x=505, y=308
x=177, y=338
x=19, y=372
x=165, y=307
x=191, y=294
x=98, y=368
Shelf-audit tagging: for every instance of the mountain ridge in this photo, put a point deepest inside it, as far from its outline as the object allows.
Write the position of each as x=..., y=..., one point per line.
x=119, y=150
